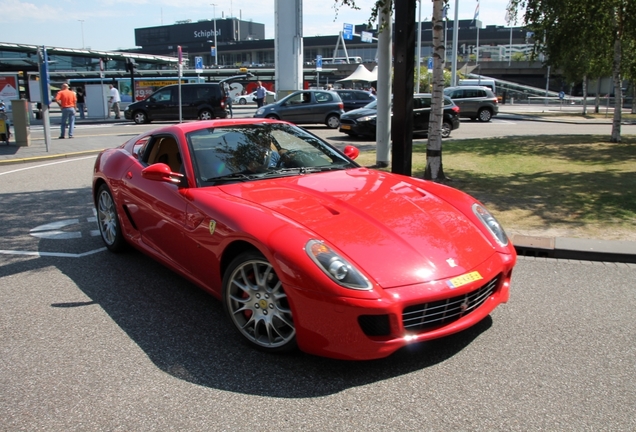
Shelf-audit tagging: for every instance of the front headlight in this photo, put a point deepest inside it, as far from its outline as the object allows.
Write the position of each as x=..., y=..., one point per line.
x=260, y=111
x=366, y=118
x=491, y=223
x=336, y=267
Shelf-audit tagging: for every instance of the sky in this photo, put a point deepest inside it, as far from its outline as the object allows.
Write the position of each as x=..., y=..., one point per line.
x=109, y=25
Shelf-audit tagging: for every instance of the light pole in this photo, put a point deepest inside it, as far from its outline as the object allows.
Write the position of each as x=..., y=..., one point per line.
x=419, y=44
x=82, y=22
x=216, y=48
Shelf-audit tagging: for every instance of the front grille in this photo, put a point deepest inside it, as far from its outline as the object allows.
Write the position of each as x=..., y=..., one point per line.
x=347, y=121
x=442, y=312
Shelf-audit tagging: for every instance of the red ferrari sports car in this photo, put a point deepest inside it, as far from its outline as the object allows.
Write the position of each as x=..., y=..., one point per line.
x=304, y=247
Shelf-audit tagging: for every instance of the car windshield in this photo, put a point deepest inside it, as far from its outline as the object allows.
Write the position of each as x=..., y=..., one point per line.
x=232, y=154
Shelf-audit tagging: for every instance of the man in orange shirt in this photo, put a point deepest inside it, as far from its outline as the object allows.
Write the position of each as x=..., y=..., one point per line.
x=67, y=100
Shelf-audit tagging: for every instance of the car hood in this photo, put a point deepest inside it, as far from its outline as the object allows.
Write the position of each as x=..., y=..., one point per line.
x=360, y=112
x=388, y=226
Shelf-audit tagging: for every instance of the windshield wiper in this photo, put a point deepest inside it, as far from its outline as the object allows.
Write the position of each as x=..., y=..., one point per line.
x=232, y=177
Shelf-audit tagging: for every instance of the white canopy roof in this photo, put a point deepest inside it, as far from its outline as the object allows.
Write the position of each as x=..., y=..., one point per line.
x=361, y=74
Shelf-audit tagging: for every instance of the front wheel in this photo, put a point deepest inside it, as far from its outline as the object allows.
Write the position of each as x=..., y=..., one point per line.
x=446, y=129
x=242, y=101
x=140, y=117
x=206, y=115
x=108, y=221
x=333, y=121
x=484, y=115
x=272, y=116
x=257, y=305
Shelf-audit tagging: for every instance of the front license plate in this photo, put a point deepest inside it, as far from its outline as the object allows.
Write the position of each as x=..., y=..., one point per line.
x=463, y=279
x=346, y=127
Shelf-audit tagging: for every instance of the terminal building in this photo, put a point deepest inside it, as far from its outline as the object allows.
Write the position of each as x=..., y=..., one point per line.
x=241, y=46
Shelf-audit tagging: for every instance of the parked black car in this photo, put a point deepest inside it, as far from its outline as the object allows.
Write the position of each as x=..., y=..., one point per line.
x=474, y=102
x=306, y=107
x=353, y=99
x=203, y=101
x=362, y=121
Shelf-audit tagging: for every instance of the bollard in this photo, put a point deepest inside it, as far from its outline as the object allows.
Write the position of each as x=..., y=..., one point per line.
x=21, y=123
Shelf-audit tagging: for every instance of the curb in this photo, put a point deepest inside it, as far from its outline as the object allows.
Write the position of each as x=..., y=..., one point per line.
x=575, y=248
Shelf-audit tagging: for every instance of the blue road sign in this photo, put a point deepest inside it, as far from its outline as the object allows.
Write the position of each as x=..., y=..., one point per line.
x=318, y=62
x=430, y=64
x=561, y=94
x=347, y=31
x=44, y=76
x=198, y=64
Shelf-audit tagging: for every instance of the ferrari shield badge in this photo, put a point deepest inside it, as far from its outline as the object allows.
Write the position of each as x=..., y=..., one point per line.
x=212, y=226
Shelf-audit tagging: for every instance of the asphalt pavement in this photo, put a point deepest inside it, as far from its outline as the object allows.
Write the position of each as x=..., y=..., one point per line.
x=543, y=247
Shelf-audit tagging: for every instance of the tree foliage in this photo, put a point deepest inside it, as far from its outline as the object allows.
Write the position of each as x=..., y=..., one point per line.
x=584, y=38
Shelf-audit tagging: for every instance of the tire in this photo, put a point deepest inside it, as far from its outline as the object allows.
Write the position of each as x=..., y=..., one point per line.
x=108, y=220
x=206, y=115
x=256, y=304
x=242, y=101
x=446, y=129
x=484, y=115
x=272, y=116
x=140, y=117
x=333, y=121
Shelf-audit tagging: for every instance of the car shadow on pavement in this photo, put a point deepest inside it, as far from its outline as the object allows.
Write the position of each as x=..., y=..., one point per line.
x=184, y=330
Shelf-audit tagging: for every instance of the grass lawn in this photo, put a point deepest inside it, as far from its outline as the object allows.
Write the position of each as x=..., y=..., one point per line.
x=564, y=185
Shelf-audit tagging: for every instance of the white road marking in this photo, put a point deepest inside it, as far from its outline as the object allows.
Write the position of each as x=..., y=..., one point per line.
x=57, y=235
x=47, y=164
x=51, y=254
x=55, y=225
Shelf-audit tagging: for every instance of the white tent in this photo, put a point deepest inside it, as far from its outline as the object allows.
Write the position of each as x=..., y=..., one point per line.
x=361, y=74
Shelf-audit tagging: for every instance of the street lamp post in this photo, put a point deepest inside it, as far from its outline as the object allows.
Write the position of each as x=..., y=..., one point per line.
x=216, y=48
x=82, y=22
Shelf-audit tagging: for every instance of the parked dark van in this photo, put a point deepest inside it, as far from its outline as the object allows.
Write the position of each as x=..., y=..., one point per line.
x=203, y=101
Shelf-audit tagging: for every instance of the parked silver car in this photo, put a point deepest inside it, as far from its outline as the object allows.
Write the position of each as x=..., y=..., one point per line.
x=474, y=102
x=306, y=107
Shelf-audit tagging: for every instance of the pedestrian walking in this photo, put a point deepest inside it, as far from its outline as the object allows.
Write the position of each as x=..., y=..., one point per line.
x=114, y=101
x=67, y=101
x=81, y=102
x=228, y=100
x=260, y=94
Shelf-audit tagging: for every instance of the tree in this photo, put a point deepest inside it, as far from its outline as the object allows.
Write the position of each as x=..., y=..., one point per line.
x=585, y=38
x=434, y=168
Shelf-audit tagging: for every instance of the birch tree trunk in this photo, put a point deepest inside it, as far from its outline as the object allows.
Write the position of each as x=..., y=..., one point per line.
x=434, y=168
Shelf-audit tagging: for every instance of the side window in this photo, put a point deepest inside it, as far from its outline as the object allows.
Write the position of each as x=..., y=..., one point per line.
x=164, y=149
x=204, y=93
x=482, y=93
x=140, y=147
x=164, y=95
x=323, y=97
x=424, y=102
x=345, y=95
x=363, y=96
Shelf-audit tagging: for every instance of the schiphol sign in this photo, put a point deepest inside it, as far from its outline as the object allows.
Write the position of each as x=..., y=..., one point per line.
x=206, y=33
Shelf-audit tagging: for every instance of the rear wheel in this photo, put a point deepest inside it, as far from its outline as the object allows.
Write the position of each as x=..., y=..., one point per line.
x=446, y=129
x=484, y=115
x=257, y=305
x=333, y=121
x=242, y=101
x=108, y=220
x=140, y=117
x=206, y=115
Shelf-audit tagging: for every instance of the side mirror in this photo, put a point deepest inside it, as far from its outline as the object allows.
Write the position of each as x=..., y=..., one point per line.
x=351, y=152
x=161, y=172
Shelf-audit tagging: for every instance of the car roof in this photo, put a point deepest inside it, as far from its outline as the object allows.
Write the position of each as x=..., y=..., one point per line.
x=204, y=124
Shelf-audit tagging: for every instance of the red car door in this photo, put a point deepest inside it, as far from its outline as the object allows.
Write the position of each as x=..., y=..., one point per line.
x=157, y=208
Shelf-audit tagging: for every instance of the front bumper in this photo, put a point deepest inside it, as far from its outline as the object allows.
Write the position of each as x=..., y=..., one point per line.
x=365, y=329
